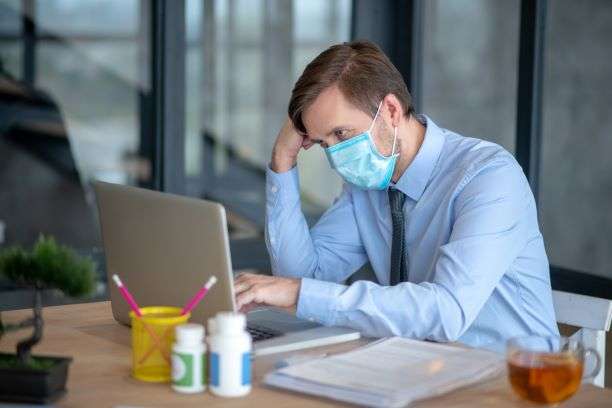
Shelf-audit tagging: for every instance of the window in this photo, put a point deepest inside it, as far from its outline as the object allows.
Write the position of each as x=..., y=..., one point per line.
x=91, y=60
x=243, y=59
x=77, y=119
x=11, y=47
x=81, y=18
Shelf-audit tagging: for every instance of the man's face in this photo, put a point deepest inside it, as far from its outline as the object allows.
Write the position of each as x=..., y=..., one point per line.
x=332, y=119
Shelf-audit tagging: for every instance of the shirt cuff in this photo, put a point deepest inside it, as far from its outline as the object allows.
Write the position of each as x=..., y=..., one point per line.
x=317, y=301
x=282, y=187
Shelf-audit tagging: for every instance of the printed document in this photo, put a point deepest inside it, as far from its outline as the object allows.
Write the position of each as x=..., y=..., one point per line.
x=391, y=372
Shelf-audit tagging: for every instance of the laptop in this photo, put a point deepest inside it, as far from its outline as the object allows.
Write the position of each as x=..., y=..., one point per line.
x=165, y=247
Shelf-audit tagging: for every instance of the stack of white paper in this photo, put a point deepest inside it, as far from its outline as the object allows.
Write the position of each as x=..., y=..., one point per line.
x=389, y=373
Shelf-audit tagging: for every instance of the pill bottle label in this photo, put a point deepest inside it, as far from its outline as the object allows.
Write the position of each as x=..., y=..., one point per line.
x=182, y=369
x=214, y=369
x=246, y=369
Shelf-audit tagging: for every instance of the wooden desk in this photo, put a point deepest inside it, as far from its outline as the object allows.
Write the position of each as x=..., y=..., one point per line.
x=100, y=372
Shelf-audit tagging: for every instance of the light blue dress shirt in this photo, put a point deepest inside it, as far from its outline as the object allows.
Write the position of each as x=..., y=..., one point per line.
x=477, y=268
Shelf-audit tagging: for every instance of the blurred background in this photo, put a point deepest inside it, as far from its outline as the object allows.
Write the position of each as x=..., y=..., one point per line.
x=188, y=96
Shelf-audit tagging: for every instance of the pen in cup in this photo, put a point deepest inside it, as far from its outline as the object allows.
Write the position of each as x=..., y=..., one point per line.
x=199, y=295
x=136, y=309
x=127, y=296
x=188, y=308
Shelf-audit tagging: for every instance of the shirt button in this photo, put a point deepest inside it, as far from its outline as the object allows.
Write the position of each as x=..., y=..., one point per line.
x=273, y=189
x=272, y=241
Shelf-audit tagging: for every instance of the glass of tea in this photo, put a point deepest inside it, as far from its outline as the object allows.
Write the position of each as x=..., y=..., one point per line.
x=548, y=370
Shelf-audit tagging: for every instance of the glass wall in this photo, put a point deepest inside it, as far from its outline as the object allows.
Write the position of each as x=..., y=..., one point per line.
x=78, y=121
x=80, y=117
x=576, y=169
x=11, y=49
x=470, y=56
x=318, y=24
x=243, y=59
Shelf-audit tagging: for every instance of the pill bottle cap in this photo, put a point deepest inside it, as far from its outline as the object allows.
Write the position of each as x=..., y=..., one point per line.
x=230, y=323
x=190, y=333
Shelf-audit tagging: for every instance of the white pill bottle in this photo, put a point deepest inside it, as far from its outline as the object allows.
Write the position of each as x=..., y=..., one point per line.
x=230, y=355
x=189, y=359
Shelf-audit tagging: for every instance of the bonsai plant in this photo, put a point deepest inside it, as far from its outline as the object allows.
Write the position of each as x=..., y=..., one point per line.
x=24, y=377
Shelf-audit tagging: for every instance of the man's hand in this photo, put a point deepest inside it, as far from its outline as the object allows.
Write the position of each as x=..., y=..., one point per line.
x=254, y=290
x=286, y=148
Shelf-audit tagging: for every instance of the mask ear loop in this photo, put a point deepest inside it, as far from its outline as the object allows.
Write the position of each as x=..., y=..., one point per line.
x=394, y=129
x=394, y=140
x=375, y=116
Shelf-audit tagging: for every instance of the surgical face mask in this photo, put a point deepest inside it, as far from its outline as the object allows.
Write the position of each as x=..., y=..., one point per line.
x=359, y=162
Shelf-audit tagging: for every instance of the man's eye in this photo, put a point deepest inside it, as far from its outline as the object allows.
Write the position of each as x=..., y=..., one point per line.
x=341, y=133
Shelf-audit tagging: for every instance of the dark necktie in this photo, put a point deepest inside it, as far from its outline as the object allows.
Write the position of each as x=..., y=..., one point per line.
x=398, y=266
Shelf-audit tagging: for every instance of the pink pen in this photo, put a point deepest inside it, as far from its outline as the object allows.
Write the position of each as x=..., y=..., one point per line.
x=201, y=293
x=127, y=296
x=134, y=306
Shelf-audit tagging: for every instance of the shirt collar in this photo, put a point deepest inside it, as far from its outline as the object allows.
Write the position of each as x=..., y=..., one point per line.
x=419, y=172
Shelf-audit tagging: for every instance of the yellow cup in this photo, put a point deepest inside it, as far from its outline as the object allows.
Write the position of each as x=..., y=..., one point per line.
x=152, y=339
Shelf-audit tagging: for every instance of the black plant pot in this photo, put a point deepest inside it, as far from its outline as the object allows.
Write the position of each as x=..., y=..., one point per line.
x=22, y=384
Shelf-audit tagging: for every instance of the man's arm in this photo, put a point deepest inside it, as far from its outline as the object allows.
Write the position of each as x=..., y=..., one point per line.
x=332, y=250
x=490, y=230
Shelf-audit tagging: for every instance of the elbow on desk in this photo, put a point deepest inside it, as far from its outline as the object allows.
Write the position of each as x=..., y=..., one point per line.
x=452, y=320
x=449, y=333
x=448, y=330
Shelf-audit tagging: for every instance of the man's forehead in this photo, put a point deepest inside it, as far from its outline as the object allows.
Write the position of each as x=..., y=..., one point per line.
x=328, y=111
x=325, y=106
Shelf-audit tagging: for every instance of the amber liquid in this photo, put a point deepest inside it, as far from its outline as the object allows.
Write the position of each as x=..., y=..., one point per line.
x=545, y=378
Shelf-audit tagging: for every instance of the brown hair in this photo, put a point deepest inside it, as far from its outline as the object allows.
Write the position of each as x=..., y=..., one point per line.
x=361, y=70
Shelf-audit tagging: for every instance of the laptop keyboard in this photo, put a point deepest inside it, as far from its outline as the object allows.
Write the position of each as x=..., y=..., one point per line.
x=259, y=333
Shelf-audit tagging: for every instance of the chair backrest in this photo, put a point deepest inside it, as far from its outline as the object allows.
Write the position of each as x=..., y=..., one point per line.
x=592, y=315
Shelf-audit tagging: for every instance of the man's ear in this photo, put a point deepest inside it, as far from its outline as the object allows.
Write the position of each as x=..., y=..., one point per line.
x=393, y=109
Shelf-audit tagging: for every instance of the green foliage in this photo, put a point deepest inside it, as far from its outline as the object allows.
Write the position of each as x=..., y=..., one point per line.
x=49, y=265
x=35, y=363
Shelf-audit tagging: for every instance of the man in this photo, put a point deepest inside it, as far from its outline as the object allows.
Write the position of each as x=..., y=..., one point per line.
x=448, y=223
